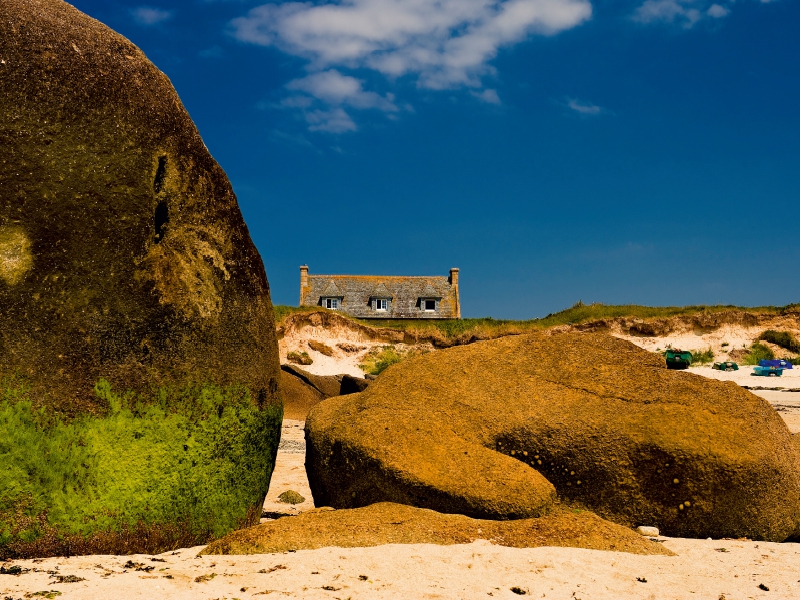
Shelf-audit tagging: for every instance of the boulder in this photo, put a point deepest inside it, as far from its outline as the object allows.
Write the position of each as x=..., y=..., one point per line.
x=298, y=396
x=353, y=385
x=488, y=430
x=327, y=385
x=387, y=523
x=135, y=307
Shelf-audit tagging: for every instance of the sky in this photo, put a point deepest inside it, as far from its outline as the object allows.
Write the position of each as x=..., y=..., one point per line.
x=614, y=151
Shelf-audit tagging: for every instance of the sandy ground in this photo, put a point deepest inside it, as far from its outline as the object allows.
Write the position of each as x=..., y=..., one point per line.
x=702, y=569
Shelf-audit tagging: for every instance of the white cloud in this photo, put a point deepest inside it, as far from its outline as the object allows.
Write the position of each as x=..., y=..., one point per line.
x=335, y=120
x=488, y=95
x=717, y=12
x=445, y=43
x=146, y=15
x=334, y=88
x=583, y=108
x=686, y=13
x=442, y=44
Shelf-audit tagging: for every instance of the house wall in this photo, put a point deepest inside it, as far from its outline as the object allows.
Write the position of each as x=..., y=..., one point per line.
x=357, y=291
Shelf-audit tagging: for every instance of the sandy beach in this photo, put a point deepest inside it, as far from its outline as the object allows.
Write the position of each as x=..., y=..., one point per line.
x=710, y=569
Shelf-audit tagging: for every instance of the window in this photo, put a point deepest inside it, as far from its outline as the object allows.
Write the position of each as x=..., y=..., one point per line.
x=332, y=303
x=381, y=304
x=429, y=305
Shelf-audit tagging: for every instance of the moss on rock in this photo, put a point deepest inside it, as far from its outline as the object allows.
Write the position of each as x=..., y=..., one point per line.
x=123, y=256
x=179, y=466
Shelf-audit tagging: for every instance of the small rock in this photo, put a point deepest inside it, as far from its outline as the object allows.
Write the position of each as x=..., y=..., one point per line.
x=291, y=497
x=647, y=531
x=761, y=586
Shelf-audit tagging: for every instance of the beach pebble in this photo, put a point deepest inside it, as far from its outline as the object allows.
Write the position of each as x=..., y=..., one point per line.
x=648, y=531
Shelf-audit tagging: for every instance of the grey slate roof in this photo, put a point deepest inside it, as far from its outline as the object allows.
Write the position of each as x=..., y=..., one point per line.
x=403, y=292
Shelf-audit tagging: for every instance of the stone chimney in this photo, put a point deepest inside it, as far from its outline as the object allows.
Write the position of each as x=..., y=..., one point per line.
x=303, y=281
x=454, y=277
x=454, y=283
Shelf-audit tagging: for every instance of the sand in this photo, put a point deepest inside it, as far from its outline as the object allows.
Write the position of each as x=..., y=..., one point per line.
x=707, y=569
x=702, y=569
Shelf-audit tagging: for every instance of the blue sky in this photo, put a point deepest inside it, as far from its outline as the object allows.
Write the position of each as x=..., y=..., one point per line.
x=554, y=150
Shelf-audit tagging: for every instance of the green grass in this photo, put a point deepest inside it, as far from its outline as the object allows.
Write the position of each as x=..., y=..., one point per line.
x=757, y=352
x=784, y=339
x=703, y=357
x=487, y=327
x=380, y=359
x=198, y=456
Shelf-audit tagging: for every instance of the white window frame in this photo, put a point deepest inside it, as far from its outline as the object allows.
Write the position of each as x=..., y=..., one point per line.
x=380, y=304
x=332, y=303
x=424, y=304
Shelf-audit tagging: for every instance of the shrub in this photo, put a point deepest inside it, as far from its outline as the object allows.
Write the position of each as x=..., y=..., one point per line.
x=378, y=360
x=784, y=339
x=757, y=352
x=299, y=358
x=701, y=358
x=320, y=347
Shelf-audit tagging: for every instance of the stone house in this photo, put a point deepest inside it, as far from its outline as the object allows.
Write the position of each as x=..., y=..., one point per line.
x=383, y=297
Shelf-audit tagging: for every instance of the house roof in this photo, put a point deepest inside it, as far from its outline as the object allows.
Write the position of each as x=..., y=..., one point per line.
x=331, y=291
x=381, y=291
x=404, y=292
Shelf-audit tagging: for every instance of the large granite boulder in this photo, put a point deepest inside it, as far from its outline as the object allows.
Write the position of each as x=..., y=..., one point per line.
x=136, y=322
x=299, y=397
x=485, y=430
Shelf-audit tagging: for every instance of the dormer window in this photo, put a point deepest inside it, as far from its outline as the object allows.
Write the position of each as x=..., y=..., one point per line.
x=380, y=304
x=429, y=304
x=331, y=303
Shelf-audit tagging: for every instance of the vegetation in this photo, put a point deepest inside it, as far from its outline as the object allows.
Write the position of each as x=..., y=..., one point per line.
x=378, y=360
x=299, y=358
x=196, y=458
x=703, y=357
x=487, y=327
x=281, y=311
x=756, y=353
x=784, y=339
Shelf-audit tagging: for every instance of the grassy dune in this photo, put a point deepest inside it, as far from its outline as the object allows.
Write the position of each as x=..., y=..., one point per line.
x=487, y=327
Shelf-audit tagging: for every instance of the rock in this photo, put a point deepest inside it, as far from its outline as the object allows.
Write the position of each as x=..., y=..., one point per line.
x=320, y=347
x=291, y=497
x=135, y=306
x=387, y=523
x=299, y=358
x=353, y=385
x=487, y=430
x=298, y=396
x=647, y=531
x=327, y=385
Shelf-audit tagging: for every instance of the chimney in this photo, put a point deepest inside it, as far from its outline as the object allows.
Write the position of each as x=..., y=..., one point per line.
x=454, y=284
x=454, y=277
x=303, y=281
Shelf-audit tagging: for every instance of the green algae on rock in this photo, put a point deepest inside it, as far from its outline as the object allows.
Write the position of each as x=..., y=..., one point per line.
x=177, y=468
x=123, y=256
